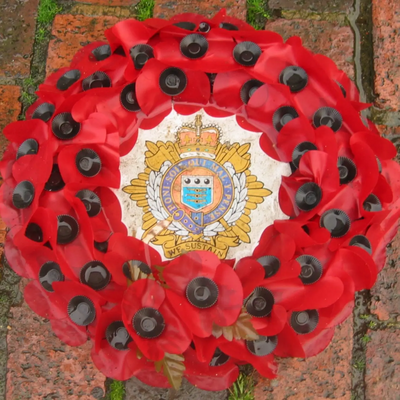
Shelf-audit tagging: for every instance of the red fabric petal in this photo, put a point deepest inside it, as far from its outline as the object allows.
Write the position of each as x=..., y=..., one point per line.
x=206, y=377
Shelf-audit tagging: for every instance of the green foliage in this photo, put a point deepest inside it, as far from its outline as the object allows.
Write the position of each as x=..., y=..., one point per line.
x=243, y=388
x=117, y=390
x=257, y=13
x=372, y=325
x=27, y=98
x=365, y=339
x=144, y=9
x=359, y=364
x=28, y=92
x=41, y=34
x=47, y=11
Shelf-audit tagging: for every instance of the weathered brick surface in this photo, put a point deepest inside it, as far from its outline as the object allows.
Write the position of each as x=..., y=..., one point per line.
x=323, y=37
x=9, y=110
x=312, y=5
x=71, y=32
x=386, y=292
x=166, y=9
x=111, y=2
x=40, y=366
x=17, y=33
x=386, y=21
x=325, y=376
x=383, y=366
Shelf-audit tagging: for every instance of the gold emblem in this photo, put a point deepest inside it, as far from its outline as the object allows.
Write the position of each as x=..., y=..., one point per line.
x=197, y=193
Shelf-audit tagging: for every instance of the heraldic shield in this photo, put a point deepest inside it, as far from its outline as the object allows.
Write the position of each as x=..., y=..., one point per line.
x=197, y=193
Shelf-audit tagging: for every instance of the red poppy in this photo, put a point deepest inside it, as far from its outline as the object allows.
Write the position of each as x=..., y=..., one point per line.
x=257, y=353
x=218, y=374
x=125, y=252
x=199, y=284
x=307, y=333
x=152, y=321
x=114, y=352
x=81, y=311
x=267, y=300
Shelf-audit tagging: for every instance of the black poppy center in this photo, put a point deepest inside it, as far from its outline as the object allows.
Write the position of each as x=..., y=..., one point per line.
x=302, y=318
x=34, y=232
x=219, y=358
x=130, y=98
x=194, y=48
x=202, y=292
x=263, y=346
x=343, y=171
x=148, y=323
x=96, y=83
x=204, y=27
x=372, y=204
x=91, y=202
x=308, y=196
x=327, y=121
x=271, y=265
x=55, y=182
x=336, y=222
x=67, y=229
x=28, y=147
x=66, y=128
x=247, y=56
x=50, y=272
x=300, y=150
x=294, y=77
x=260, y=302
x=23, y=195
x=304, y=322
x=362, y=242
x=347, y=170
x=311, y=269
x=95, y=275
x=172, y=81
x=81, y=310
x=329, y=117
x=85, y=163
x=117, y=335
x=141, y=58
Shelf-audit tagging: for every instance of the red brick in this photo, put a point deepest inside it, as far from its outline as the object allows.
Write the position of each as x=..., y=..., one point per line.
x=111, y=2
x=389, y=130
x=326, y=375
x=40, y=366
x=385, y=294
x=17, y=33
x=312, y=5
x=323, y=37
x=9, y=110
x=168, y=8
x=71, y=32
x=386, y=21
x=382, y=377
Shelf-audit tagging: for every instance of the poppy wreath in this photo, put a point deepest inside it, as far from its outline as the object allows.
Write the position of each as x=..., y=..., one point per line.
x=196, y=316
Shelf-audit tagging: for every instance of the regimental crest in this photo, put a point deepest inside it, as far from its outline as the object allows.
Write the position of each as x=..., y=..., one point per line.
x=197, y=193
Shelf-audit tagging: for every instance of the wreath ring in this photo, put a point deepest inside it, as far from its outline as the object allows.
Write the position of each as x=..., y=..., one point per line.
x=196, y=316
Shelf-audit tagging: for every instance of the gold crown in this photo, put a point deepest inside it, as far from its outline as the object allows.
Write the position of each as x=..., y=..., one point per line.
x=198, y=138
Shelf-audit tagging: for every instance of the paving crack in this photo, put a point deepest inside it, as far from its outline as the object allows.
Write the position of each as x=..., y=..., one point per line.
x=360, y=329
